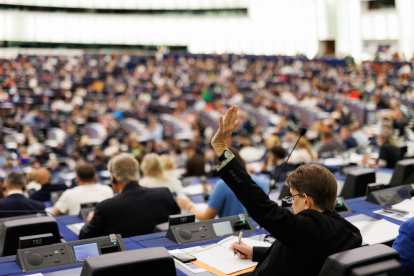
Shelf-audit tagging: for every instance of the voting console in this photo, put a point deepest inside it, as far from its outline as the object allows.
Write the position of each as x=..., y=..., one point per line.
x=70, y=253
x=185, y=233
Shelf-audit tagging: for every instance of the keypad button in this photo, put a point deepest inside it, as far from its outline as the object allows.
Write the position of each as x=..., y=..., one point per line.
x=57, y=261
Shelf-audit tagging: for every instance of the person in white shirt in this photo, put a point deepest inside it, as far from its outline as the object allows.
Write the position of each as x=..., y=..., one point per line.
x=303, y=153
x=359, y=135
x=87, y=191
x=154, y=176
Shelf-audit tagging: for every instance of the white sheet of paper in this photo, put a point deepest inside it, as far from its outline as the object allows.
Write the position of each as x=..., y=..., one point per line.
x=228, y=241
x=406, y=205
x=374, y=232
x=75, y=228
x=195, y=189
x=222, y=259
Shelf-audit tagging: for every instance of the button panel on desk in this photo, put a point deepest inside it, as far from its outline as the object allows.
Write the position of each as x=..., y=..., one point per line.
x=209, y=229
x=193, y=232
x=64, y=254
x=44, y=257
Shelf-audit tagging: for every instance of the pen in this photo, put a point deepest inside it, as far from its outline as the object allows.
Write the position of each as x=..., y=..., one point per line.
x=238, y=243
x=395, y=211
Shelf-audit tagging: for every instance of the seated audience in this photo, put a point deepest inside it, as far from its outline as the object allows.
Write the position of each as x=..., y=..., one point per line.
x=43, y=178
x=14, y=186
x=222, y=200
x=100, y=161
x=135, y=210
x=359, y=135
x=303, y=153
x=154, y=175
x=275, y=162
x=32, y=185
x=1, y=190
x=310, y=234
x=168, y=165
x=404, y=244
x=195, y=163
x=389, y=153
x=87, y=191
x=330, y=145
x=347, y=138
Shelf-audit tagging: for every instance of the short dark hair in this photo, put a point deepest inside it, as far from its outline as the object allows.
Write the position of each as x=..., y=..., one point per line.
x=15, y=180
x=236, y=154
x=279, y=152
x=86, y=172
x=100, y=156
x=315, y=181
x=327, y=134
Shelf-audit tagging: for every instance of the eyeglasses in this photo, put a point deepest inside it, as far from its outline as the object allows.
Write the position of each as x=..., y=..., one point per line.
x=289, y=199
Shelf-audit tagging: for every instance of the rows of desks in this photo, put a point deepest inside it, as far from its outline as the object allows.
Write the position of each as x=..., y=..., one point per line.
x=9, y=267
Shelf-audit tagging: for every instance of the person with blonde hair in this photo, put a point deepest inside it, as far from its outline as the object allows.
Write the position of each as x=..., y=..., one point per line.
x=168, y=165
x=272, y=141
x=135, y=210
x=154, y=175
x=303, y=153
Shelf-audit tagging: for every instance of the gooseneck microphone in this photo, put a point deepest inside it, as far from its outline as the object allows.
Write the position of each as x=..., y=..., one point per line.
x=301, y=133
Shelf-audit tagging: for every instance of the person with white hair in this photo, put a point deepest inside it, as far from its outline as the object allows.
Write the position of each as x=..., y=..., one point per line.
x=135, y=210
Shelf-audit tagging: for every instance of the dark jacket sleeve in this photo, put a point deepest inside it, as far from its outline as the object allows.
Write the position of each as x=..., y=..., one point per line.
x=94, y=228
x=258, y=252
x=286, y=227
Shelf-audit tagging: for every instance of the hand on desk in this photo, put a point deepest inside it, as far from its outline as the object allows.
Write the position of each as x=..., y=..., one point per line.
x=90, y=216
x=184, y=203
x=243, y=250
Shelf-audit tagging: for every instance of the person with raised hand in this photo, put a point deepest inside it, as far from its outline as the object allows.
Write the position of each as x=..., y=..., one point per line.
x=308, y=235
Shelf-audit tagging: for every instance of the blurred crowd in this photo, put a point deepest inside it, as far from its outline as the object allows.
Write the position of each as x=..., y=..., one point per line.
x=59, y=111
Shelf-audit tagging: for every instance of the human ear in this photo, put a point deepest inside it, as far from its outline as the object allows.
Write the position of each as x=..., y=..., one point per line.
x=307, y=201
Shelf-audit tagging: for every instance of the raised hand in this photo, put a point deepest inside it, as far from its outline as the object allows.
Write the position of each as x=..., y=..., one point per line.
x=226, y=127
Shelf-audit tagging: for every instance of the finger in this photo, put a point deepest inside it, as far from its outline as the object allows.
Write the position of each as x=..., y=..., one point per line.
x=234, y=114
x=235, y=125
x=227, y=116
x=221, y=122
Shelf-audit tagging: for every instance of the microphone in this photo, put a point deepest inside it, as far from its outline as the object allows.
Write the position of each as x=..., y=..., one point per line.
x=301, y=133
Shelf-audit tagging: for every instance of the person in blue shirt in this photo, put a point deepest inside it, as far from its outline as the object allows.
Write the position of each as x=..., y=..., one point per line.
x=222, y=200
x=404, y=244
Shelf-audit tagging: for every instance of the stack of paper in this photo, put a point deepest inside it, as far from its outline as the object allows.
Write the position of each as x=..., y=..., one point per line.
x=75, y=228
x=378, y=231
x=221, y=257
x=406, y=205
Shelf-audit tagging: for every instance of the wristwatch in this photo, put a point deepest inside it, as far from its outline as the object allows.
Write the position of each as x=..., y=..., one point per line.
x=226, y=154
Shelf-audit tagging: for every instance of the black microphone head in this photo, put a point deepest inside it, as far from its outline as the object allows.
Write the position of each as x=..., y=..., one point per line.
x=303, y=131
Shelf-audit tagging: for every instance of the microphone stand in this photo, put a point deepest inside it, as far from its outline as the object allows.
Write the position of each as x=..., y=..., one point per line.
x=277, y=178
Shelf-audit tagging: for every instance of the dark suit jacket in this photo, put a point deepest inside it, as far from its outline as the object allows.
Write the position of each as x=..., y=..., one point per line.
x=134, y=212
x=19, y=202
x=44, y=193
x=303, y=241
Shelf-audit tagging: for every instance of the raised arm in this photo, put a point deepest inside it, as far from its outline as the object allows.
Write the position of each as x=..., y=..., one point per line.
x=280, y=222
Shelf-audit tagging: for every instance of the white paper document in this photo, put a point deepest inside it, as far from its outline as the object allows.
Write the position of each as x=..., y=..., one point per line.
x=378, y=231
x=221, y=257
x=75, y=228
x=195, y=189
x=406, y=205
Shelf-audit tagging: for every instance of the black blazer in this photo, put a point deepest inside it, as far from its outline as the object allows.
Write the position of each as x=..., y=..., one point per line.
x=19, y=202
x=44, y=193
x=304, y=240
x=134, y=212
